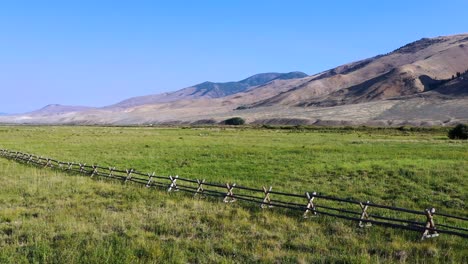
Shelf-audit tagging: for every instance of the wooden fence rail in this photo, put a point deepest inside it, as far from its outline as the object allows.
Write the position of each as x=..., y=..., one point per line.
x=311, y=204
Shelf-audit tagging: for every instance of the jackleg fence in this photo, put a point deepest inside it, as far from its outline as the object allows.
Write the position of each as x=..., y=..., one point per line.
x=429, y=222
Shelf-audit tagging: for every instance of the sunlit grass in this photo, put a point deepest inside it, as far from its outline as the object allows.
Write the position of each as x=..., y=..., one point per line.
x=46, y=216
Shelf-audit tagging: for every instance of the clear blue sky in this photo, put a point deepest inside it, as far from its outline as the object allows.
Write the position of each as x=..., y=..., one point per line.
x=97, y=53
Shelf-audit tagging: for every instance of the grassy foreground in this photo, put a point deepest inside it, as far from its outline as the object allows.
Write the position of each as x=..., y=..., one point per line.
x=48, y=217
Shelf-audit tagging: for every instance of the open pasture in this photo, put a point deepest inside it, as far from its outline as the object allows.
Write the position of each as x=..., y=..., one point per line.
x=49, y=216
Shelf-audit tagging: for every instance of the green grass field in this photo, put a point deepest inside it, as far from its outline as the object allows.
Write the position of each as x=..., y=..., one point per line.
x=48, y=216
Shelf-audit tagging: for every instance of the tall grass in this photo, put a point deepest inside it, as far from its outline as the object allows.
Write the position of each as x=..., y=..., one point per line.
x=48, y=217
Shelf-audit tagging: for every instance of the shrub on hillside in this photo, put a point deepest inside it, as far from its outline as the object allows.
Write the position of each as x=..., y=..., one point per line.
x=459, y=132
x=234, y=121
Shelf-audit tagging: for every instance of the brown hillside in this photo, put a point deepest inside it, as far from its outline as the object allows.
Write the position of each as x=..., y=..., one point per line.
x=394, y=74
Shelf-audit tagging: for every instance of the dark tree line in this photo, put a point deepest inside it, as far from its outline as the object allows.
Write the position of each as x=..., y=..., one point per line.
x=460, y=131
x=459, y=74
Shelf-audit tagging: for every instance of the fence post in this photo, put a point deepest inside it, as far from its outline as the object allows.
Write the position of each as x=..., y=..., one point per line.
x=29, y=159
x=129, y=175
x=364, y=215
x=81, y=167
x=310, y=205
x=229, y=198
x=150, y=179
x=111, y=172
x=70, y=166
x=95, y=170
x=47, y=163
x=173, y=184
x=267, y=200
x=430, y=224
x=200, y=189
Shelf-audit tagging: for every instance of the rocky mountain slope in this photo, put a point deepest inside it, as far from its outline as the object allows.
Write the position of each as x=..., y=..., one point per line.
x=422, y=83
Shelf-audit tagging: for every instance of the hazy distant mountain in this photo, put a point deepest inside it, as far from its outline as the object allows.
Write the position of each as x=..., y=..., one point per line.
x=2, y=114
x=57, y=109
x=216, y=90
x=416, y=84
x=210, y=89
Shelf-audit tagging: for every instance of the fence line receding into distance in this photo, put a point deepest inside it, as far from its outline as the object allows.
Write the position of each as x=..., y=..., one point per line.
x=311, y=204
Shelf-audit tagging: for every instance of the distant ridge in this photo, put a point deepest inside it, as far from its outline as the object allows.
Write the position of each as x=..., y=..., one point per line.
x=56, y=109
x=216, y=90
x=210, y=89
x=423, y=83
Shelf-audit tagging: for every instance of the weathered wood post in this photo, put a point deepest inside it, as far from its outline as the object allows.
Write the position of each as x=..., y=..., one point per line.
x=111, y=172
x=23, y=156
x=173, y=184
x=129, y=175
x=150, y=179
x=95, y=170
x=48, y=161
x=310, y=205
x=30, y=159
x=82, y=167
x=229, y=198
x=267, y=200
x=430, y=233
x=200, y=189
x=364, y=215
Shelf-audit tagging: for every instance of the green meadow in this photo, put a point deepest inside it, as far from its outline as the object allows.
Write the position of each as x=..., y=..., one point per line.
x=49, y=216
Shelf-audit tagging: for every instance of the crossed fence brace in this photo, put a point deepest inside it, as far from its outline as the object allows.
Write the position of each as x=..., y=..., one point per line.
x=229, y=198
x=31, y=157
x=200, y=188
x=111, y=172
x=267, y=200
x=150, y=179
x=430, y=231
x=364, y=215
x=173, y=184
x=95, y=170
x=82, y=167
x=48, y=163
x=310, y=208
x=129, y=174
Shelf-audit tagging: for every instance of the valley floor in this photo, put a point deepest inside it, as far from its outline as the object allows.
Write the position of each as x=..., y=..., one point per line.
x=48, y=216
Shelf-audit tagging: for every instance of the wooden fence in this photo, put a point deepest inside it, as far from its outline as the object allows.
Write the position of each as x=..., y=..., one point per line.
x=309, y=204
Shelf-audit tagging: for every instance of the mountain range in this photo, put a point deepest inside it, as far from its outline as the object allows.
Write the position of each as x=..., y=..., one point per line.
x=422, y=83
